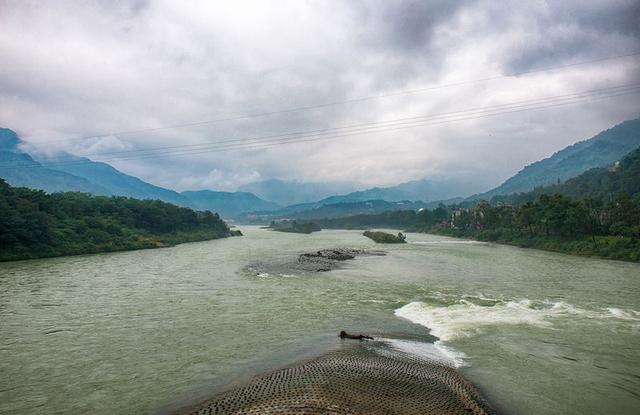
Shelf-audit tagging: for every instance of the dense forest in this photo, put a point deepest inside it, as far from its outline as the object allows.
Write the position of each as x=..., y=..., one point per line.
x=36, y=224
x=596, y=213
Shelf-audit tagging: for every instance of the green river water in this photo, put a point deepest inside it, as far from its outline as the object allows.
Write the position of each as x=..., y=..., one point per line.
x=151, y=331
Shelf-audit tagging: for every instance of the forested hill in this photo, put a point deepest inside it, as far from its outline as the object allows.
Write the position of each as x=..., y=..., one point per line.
x=600, y=184
x=596, y=213
x=36, y=224
x=599, y=151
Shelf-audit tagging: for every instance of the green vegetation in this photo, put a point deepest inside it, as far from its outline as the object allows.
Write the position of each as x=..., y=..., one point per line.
x=34, y=224
x=295, y=226
x=601, y=150
x=605, y=222
x=555, y=223
x=601, y=184
x=385, y=238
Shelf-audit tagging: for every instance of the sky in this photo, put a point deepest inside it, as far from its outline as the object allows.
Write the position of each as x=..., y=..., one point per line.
x=375, y=92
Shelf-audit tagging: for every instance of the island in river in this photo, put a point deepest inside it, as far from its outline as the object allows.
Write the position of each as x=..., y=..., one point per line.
x=294, y=226
x=385, y=238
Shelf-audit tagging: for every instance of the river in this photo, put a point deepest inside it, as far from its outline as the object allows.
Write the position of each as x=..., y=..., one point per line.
x=149, y=331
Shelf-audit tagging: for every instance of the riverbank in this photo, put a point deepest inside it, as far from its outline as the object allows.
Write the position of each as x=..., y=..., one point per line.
x=606, y=247
x=622, y=248
x=139, y=242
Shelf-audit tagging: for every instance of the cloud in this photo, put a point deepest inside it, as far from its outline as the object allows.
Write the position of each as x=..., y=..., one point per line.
x=75, y=69
x=219, y=179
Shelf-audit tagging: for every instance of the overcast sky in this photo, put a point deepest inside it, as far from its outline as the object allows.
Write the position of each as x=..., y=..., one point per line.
x=72, y=69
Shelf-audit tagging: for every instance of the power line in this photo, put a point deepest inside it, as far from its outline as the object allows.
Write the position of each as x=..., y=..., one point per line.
x=285, y=141
x=377, y=124
x=361, y=130
x=338, y=134
x=348, y=101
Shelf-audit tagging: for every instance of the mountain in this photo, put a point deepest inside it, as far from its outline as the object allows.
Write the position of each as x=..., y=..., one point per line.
x=341, y=209
x=601, y=183
x=9, y=140
x=21, y=170
x=599, y=151
x=116, y=182
x=66, y=172
x=227, y=203
x=334, y=210
x=426, y=193
x=425, y=190
x=308, y=195
x=290, y=193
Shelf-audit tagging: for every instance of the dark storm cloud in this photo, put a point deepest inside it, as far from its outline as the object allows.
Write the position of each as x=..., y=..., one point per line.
x=408, y=25
x=567, y=31
x=401, y=33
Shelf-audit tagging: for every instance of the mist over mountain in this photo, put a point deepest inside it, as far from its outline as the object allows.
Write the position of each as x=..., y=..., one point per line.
x=425, y=190
x=20, y=169
x=115, y=181
x=294, y=192
x=598, y=151
x=227, y=203
x=299, y=196
x=64, y=172
x=8, y=140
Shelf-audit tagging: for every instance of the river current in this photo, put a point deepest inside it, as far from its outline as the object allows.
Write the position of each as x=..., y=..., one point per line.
x=150, y=331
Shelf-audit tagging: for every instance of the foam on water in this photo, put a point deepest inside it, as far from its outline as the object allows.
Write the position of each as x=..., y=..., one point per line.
x=630, y=315
x=466, y=318
x=429, y=351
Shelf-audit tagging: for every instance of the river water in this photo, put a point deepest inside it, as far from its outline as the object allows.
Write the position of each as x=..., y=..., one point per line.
x=150, y=331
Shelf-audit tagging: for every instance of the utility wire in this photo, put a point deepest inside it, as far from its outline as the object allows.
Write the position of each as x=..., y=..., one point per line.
x=348, y=101
x=470, y=111
x=326, y=130
x=339, y=134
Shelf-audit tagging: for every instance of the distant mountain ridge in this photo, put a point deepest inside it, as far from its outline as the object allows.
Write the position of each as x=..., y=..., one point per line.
x=84, y=175
x=600, y=183
x=67, y=172
x=20, y=169
x=286, y=193
x=601, y=150
x=115, y=181
x=333, y=210
x=424, y=190
x=227, y=203
x=295, y=194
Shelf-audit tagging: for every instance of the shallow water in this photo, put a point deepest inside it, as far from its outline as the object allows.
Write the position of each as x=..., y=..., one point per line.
x=148, y=331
